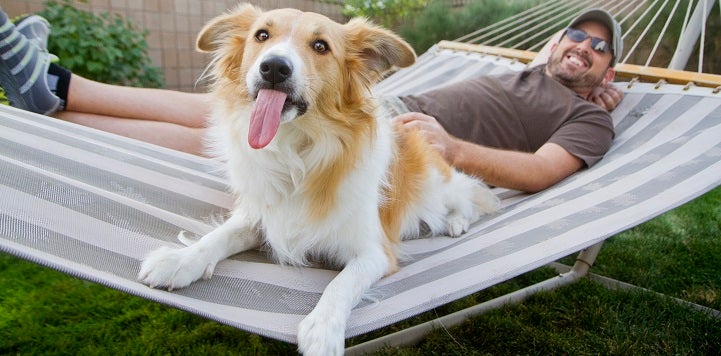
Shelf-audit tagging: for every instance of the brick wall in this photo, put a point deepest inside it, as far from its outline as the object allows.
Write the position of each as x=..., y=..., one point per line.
x=173, y=25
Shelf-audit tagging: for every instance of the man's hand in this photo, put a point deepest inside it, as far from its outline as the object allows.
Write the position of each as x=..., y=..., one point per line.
x=432, y=131
x=529, y=172
x=606, y=96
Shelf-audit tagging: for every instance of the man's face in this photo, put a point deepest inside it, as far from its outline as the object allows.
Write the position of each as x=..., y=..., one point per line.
x=577, y=65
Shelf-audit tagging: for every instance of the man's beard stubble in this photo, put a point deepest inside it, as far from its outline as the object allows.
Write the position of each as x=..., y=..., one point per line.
x=584, y=81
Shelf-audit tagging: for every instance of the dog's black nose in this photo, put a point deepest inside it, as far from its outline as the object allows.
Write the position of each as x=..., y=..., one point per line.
x=276, y=69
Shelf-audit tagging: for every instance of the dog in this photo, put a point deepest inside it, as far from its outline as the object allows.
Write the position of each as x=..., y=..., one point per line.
x=320, y=172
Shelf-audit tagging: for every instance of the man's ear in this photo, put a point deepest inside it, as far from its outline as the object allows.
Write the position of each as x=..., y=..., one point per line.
x=608, y=77
x=554, y=46
x=215, y=32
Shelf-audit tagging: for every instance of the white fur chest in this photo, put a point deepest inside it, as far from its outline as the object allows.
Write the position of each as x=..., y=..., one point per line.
x=269, y=187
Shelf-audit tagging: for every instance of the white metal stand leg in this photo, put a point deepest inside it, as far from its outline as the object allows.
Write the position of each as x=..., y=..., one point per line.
x=415, y=334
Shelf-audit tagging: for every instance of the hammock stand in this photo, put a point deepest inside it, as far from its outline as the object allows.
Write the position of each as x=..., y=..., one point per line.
x=92, y=204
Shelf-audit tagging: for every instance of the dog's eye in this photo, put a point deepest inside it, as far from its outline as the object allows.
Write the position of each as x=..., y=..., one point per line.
x=321, y=46
x=262, y=35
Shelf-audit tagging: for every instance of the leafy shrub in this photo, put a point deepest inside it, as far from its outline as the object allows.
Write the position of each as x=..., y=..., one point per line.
x=388, y=13
x=438, y=21
x=102, y=47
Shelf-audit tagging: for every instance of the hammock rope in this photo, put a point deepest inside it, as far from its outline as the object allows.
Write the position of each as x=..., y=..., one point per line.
x=643, y=21
x=505, y=23
x=645, y=32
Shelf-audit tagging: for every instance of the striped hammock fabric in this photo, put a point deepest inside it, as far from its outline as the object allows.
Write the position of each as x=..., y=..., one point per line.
x=92, y=204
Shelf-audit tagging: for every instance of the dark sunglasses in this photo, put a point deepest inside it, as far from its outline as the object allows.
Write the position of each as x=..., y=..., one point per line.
x=598, y=44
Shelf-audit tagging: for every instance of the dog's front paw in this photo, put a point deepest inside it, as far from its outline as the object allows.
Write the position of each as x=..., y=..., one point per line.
x=457, y=225
x=321, y=334
x=174, y=268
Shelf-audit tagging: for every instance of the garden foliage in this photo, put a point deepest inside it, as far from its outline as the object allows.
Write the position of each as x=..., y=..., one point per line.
x=103, y=47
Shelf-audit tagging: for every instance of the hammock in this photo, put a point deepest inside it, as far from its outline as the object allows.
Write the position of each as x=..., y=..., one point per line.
x=92, y=204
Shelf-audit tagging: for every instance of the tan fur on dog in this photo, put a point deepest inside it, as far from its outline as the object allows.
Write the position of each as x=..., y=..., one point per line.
x=319, y=170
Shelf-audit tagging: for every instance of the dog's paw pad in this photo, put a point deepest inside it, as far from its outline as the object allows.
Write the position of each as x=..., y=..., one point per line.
x=457, y=226
x=319, y=335
x=173, y=268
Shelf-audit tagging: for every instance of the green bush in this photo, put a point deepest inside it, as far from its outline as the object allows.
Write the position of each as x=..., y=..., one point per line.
x=388, y=13
x=102, y=47
x=438, y=21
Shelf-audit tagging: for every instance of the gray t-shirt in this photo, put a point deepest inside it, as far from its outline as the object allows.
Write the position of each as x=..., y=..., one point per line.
x=519, y=111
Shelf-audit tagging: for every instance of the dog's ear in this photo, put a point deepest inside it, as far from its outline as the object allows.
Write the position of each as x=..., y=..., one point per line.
x=379, y=49
x=218, y=29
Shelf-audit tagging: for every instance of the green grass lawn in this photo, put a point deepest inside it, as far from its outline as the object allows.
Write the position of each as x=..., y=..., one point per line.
x=677, y=254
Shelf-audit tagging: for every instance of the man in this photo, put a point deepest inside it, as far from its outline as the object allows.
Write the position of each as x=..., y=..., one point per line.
x=560, y=131
x=528, y=130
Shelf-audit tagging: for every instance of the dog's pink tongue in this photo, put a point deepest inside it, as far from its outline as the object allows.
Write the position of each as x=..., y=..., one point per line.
x=265, y=119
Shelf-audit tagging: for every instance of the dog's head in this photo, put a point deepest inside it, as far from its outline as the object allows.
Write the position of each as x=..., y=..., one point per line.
x=288, y=63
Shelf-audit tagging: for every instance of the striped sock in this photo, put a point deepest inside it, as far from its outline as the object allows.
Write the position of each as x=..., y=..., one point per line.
x=23, y=69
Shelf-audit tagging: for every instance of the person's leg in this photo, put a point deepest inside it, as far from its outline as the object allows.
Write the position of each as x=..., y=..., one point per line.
x=164, y=117
x=170, y=135
x=181, y=108
x=169, y=118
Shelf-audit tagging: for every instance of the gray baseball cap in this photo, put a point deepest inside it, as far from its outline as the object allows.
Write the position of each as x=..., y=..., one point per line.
x=613, y=26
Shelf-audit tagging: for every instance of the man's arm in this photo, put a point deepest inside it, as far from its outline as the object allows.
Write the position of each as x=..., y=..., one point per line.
x=529, y=172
